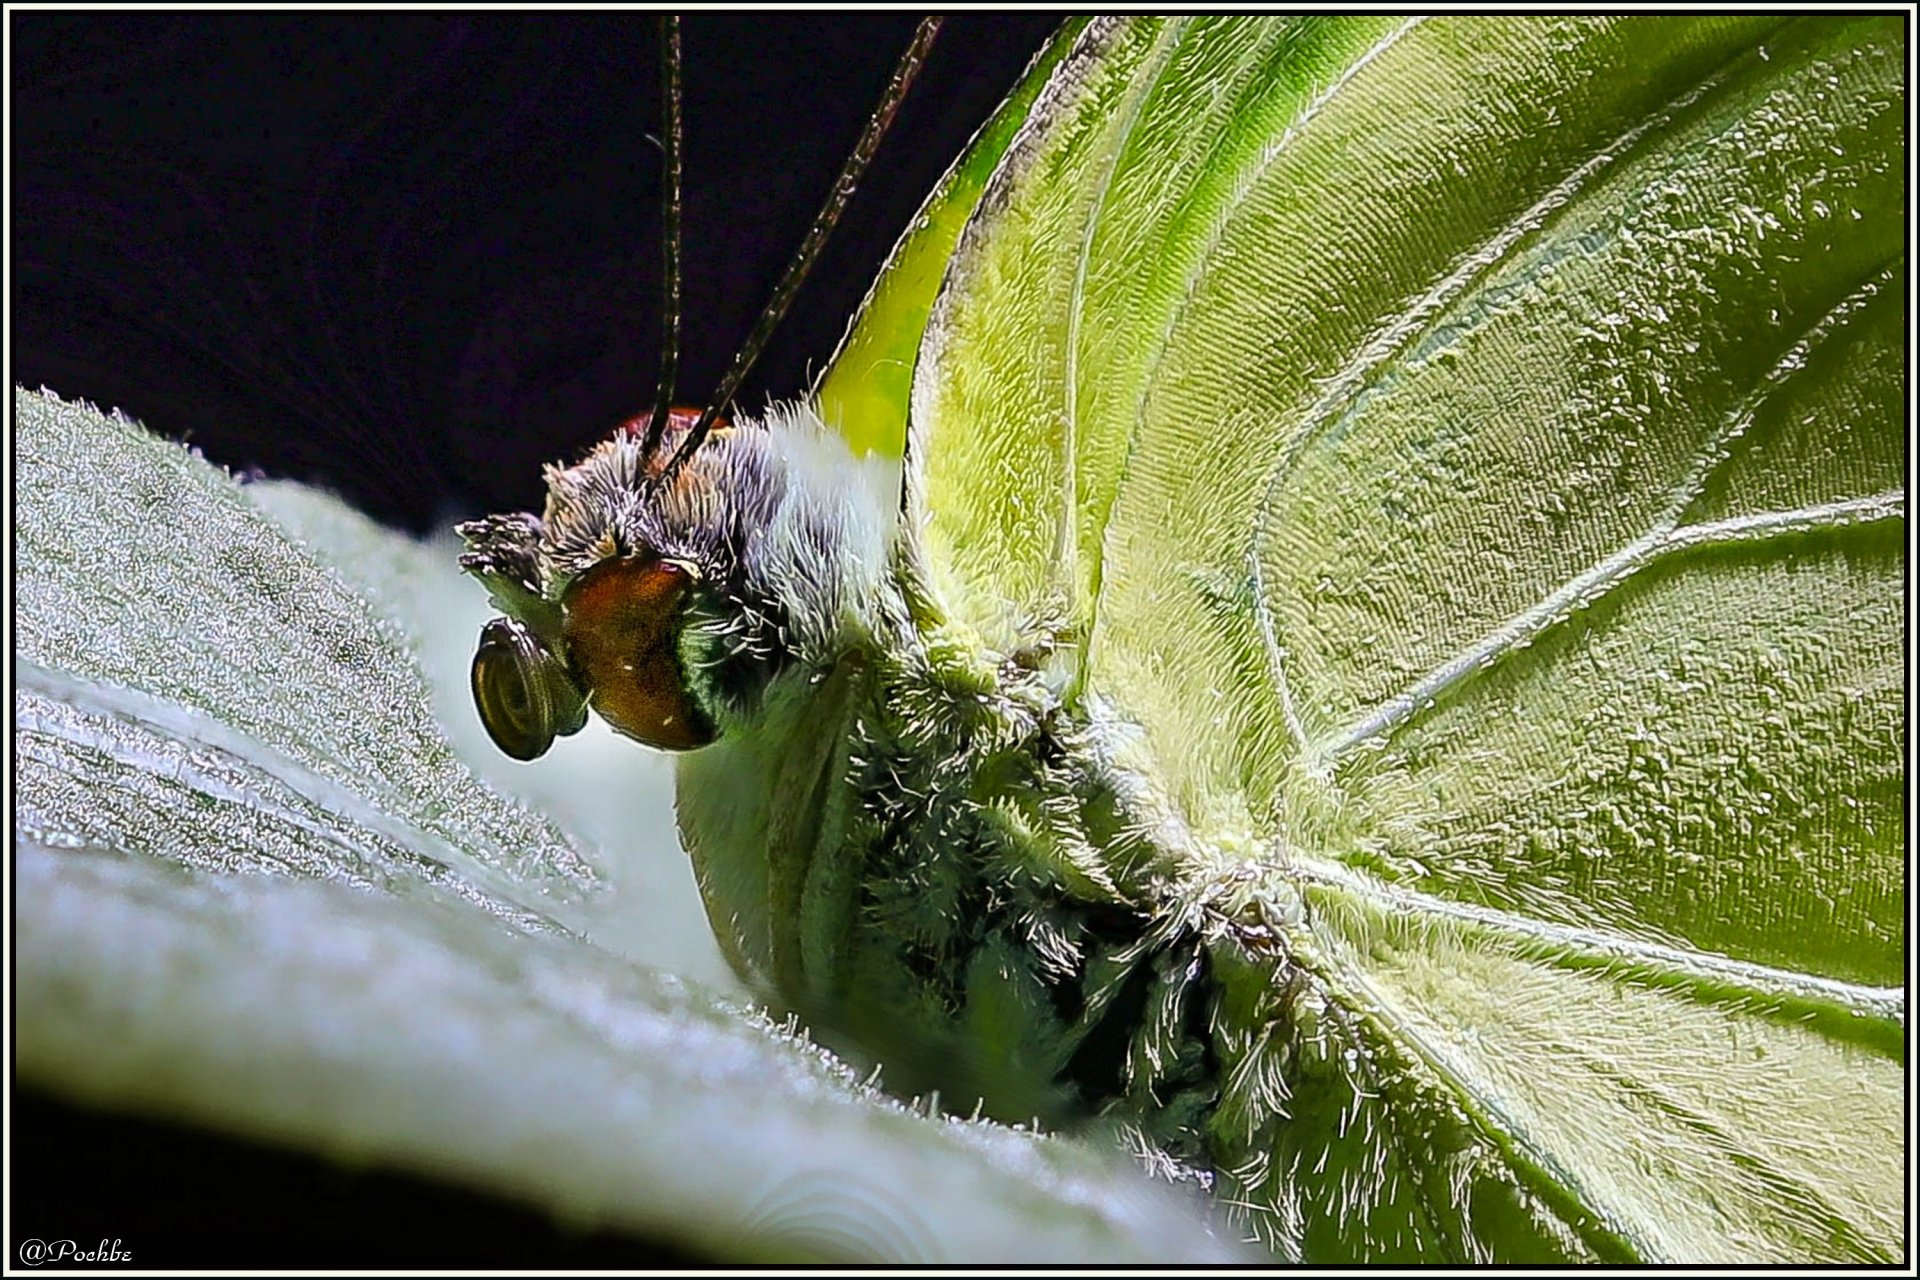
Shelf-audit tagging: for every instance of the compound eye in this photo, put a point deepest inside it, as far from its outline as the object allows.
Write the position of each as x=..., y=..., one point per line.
x=523, y=693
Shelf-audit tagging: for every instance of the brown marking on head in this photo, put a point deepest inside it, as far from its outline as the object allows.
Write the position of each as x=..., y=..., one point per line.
x=621, y=620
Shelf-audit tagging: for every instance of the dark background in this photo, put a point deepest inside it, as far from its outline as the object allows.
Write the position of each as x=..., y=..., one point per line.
x=411, y=257
x=416, y=255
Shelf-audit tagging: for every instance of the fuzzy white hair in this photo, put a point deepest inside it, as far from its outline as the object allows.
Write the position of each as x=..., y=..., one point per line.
x=777, y=515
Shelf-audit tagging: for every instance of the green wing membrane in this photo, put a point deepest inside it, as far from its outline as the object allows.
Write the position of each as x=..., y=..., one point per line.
x=863, y=393
x=1472, y=453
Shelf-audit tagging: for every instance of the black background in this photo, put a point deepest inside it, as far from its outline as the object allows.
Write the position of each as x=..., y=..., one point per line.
x=412, y=256
x=415, y=255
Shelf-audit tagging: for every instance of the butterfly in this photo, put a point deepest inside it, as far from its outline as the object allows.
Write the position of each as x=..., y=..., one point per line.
x=1337, y=612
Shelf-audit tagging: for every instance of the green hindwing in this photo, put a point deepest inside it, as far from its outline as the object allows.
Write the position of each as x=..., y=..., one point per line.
x=1391, y=689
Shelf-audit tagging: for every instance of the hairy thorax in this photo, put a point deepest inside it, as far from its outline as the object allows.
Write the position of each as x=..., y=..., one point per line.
x=928, y=850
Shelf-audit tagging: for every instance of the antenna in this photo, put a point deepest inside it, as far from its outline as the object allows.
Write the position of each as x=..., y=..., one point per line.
x=669, y=234
x=809, y=251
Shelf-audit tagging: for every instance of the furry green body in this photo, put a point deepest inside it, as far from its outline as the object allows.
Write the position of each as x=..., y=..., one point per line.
x=954, y=881
x=947, y=873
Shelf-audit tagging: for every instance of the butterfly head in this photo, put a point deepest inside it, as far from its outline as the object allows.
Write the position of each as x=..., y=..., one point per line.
x=665, y=606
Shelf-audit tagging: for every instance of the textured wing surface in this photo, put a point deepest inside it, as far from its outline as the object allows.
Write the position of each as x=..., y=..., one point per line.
x=863, y=393
x=1472, y=453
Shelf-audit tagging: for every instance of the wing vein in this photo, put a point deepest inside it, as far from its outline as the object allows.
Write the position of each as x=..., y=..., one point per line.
x=1588, y=588
x=1719, y=448
x=1190, y=287
x=1697, y=967
x=1216, y=130
x=1816, y=1212
x=1067, y=542
x=1269, y=637
x=1665, y=538
x=1344, y=389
